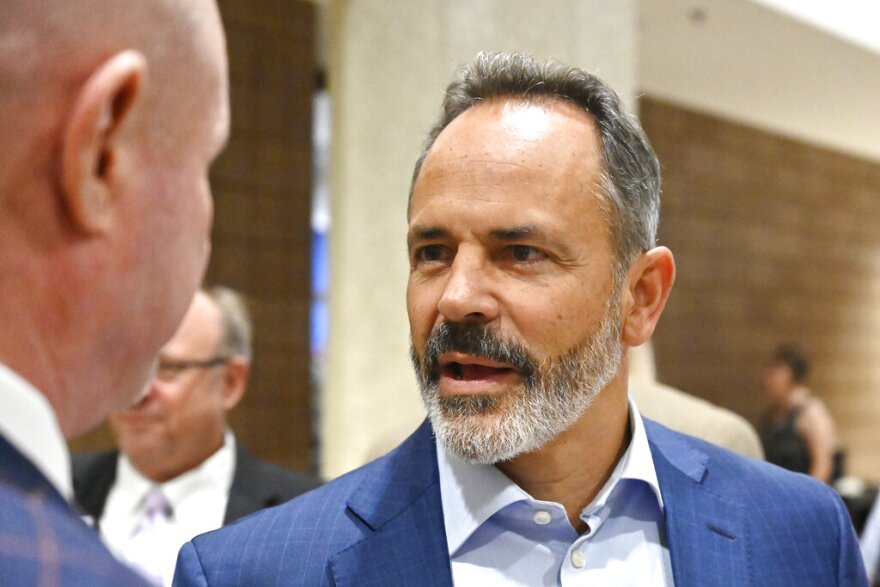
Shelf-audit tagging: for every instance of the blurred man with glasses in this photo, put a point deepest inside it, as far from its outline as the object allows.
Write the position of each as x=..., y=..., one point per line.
x=180, y=471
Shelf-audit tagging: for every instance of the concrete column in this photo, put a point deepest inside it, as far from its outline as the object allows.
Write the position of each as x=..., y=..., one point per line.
x=388, y=64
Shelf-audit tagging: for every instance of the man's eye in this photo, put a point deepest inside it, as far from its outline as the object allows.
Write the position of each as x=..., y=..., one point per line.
x=430, y=254
x=524, y=253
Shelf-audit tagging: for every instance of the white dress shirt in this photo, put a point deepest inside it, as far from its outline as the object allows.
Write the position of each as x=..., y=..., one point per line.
x=499, y=535
x=28, y=422
x=198, y=500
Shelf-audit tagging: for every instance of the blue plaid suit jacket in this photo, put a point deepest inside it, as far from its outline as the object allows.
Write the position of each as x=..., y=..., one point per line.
x=730, y=521
x=43, y=542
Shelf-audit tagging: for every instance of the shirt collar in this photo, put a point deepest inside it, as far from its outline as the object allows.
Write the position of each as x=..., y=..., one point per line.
x=29, y=423
x=471, y=494
x=212, y=472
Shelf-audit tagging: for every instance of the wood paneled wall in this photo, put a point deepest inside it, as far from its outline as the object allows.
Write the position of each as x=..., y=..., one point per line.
x=775, y=241
x=262, y=232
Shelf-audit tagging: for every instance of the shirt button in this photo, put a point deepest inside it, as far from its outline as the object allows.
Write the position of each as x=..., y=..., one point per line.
x=578, y=559
x=542, y=518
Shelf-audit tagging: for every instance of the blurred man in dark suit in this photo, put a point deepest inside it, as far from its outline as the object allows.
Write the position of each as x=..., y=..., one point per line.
x=177, y=454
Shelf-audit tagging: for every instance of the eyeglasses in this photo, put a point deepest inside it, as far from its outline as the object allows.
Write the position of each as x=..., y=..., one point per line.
x=168, y=369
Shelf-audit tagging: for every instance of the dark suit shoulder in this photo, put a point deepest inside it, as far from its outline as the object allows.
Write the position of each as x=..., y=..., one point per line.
x=257, y=485
x=93, y=476
x=289, y=483
x=86, y=465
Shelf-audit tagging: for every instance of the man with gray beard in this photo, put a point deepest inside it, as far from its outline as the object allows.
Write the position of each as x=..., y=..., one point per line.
x=551, y=396
x=532, y=217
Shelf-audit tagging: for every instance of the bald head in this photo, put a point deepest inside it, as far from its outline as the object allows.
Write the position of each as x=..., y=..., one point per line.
x=48, y=48
x=111, y=112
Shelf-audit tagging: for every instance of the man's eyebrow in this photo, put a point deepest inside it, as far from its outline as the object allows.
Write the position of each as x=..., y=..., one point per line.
x=518, y=232
x=426, y=233
x=533, y=234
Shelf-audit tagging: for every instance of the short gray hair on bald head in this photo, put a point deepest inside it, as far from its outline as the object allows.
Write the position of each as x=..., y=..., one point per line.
x=631, y=177
x=235, y=322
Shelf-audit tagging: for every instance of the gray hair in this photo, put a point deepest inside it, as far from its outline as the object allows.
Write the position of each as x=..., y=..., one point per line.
x=631, y=178
x=235, y=320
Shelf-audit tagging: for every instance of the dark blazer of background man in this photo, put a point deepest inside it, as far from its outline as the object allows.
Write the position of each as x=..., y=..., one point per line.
x=533, y=267
x=177, y=440
x=106, y=139
x=256, y=484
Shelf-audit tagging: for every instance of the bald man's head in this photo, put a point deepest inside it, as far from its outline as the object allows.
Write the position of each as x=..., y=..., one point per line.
x=111, y=112
x=49, y=47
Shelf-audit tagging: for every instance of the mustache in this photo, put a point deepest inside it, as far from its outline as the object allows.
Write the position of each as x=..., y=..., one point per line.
x=478, y=340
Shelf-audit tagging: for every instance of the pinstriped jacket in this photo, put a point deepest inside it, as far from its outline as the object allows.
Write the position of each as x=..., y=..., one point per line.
x=43, y=542
x=729, y=521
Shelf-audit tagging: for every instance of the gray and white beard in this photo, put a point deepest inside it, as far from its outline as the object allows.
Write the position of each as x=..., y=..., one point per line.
x=487, y=429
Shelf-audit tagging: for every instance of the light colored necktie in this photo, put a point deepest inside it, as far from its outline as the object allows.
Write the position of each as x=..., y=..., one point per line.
x=147, y=550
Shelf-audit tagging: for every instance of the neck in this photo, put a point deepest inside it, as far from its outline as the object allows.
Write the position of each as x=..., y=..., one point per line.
x=45, y=338
x=161, y=470
x=573, y=468
x=795, y=396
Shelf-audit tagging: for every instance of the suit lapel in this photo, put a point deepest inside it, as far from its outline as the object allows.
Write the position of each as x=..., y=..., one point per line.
x=400, y=504
x=706, y=533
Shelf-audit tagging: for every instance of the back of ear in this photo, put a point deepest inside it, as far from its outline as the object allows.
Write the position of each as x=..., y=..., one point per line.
x=238, y=370
x=88, y=143
x=647, y=288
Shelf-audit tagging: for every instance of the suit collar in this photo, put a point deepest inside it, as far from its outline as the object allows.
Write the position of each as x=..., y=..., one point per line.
x=397, y=480
x=706, y=531
x=398, y=501
x=676, y=451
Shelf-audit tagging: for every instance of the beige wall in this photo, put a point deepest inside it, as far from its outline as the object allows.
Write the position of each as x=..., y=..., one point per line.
x=388, y=63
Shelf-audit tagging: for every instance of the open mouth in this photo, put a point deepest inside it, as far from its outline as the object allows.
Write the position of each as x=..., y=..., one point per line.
x=468, y=374
x=472, y=371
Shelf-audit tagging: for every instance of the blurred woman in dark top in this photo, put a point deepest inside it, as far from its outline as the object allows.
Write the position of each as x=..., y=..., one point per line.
x=798, y=432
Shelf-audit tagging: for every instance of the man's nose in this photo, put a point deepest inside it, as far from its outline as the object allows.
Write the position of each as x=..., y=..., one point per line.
x=469, y=293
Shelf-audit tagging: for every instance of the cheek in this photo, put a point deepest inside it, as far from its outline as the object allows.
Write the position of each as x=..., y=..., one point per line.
x=422, y=312
x=554, y=319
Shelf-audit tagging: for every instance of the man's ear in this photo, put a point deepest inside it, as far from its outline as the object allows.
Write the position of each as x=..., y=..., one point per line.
x=646, y=290
x=238, y=371
x=89, y=145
